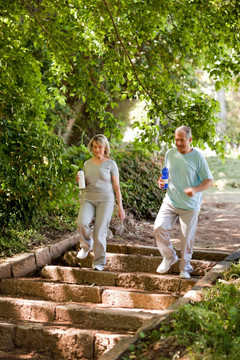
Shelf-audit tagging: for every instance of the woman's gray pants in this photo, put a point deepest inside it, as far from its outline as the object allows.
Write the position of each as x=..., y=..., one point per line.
x=96, y=239
x=166, y=218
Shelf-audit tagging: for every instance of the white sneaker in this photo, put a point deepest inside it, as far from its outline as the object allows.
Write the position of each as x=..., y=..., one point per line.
x=98, y=267
x=166, y=264
x=82, y=254
x=184, y=275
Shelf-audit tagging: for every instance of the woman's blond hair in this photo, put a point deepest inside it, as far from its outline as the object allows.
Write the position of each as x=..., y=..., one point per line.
x=99, y=139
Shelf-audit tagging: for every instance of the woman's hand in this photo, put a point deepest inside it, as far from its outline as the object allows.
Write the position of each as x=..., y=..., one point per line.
x=116, y=187
x=121, y=213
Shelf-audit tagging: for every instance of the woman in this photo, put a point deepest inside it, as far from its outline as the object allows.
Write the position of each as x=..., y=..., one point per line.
x=102, y=180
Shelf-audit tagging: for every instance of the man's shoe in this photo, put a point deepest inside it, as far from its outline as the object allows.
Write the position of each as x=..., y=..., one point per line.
x=184, y=275
x=82, y=254
x=166, y=264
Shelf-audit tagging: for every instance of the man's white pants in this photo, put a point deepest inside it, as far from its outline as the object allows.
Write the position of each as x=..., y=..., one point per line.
x=166, y=218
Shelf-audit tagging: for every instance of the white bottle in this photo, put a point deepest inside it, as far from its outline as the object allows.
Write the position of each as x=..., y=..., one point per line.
x=81, y=179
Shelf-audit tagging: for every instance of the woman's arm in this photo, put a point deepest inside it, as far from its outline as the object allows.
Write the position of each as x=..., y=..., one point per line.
x=116, y=187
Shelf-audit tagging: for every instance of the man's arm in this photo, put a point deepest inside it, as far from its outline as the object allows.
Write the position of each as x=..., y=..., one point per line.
x=205, y=184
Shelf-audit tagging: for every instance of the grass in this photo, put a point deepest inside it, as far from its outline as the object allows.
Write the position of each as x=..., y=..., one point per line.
x=206, y=330
x=55, y=221
x=19, y=239
x=226, y=175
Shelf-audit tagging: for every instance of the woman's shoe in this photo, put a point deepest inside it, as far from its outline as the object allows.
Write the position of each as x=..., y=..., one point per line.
x=98, y=267
x=82, y=254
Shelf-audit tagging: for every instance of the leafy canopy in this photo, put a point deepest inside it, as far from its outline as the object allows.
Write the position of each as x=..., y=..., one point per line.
x=97, y=49
x=99, y=52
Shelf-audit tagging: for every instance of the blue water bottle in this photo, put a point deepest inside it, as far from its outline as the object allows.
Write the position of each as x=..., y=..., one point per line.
x=165, y=177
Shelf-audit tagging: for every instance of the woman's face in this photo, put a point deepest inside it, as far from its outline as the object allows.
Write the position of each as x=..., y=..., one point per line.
x=98, y=150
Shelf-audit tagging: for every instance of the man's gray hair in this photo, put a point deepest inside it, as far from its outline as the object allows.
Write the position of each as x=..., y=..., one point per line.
x=186, y=129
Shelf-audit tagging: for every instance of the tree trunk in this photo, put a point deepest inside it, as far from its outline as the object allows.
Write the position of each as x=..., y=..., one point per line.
x=221, y=126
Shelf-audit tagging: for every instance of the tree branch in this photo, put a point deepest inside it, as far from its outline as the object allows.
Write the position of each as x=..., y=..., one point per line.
x=51, y=37
x=132, y=64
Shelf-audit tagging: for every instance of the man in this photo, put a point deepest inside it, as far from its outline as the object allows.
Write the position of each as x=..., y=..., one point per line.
x=189, y=175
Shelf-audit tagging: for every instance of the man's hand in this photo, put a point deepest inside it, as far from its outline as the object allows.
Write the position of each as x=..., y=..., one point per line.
x=190, y=191
x=161, y=183
x=205, y=184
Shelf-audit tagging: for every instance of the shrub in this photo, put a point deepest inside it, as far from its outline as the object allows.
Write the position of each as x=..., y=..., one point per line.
x=139, y=173
x=34, y=170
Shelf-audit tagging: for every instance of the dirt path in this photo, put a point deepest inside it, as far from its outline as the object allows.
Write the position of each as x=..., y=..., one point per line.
x=219, y=220
x=218, y=225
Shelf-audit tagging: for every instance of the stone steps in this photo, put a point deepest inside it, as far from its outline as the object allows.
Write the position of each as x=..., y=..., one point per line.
x=140, y=280
x=91, y=316
x=73, y=312
x=65, y=342
x=110, y=296
x=136, y=263
x=200, y=254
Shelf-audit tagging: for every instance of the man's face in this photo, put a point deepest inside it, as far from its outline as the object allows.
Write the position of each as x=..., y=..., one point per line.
x=182, y=142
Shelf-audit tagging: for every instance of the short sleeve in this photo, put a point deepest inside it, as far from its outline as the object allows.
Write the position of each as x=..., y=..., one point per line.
x=204, y=172
x=114, y=169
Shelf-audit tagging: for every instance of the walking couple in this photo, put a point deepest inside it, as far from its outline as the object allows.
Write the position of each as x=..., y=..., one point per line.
x=189, y=175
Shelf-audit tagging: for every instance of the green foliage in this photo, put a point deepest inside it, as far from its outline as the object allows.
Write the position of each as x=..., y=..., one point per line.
x=18, y=239
x=34, y=170
x=208, y=329
x=15, y=241
x=38, y=187
x=138, y=179
x=212, y=326
x=90, y=53
x=233, y=272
